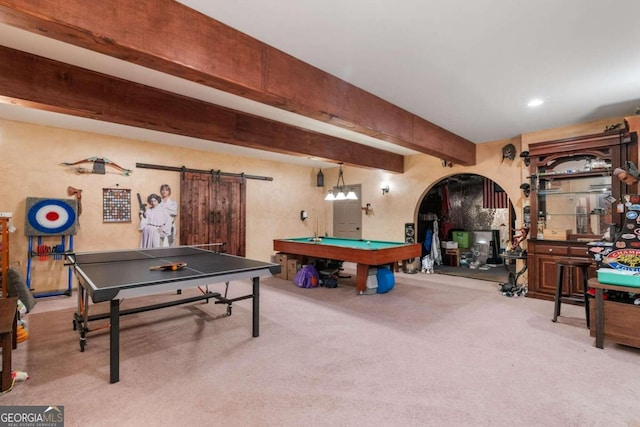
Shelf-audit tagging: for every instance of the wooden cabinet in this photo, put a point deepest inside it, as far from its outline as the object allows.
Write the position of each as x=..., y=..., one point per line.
x=572, y=189
x=615, y=321
x=542, y=267
x=4, y=250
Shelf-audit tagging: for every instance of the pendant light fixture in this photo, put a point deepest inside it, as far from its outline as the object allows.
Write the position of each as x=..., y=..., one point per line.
x=340, y=188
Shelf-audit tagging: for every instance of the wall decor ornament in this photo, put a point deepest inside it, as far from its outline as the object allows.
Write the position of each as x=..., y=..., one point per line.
x=99, y=166
x=116, y=205
x=50, y=217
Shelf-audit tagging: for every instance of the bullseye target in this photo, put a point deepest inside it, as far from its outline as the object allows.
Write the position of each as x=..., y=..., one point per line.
x=50, y=217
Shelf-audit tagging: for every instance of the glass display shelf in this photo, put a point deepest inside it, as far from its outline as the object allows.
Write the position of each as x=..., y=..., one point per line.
x=604, y=191
x=549, y=176
x=579, y=185
x=579, y=206
x=552, y=214
x=574, y=199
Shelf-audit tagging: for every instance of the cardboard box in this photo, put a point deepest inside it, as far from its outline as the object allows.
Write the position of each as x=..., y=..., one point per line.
x=372, y=281
x=293, y=265
x=281, y=258
x=555, y=234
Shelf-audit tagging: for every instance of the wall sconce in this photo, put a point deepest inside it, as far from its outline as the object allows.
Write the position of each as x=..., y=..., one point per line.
x=385, y=188
x=320, y=179
x=525, y=157
x=303, y=215
x=367, y=209
x=526, y=189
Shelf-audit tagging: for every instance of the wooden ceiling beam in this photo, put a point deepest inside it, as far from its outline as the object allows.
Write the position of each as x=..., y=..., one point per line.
x=169, y=37
x=41, y=83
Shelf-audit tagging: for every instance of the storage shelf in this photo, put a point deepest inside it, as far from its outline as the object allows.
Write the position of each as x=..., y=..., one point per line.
x=575, y=214
x=565, y=193
x=54, y=252
x=574, y=198
x=573, y=175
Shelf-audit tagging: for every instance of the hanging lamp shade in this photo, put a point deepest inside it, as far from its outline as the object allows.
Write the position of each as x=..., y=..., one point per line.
x=340, y=187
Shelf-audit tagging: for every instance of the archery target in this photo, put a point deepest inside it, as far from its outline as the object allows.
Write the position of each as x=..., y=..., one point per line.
x=46, y=217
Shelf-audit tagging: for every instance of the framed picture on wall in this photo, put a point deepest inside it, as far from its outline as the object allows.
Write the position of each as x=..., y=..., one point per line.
x=116, y=205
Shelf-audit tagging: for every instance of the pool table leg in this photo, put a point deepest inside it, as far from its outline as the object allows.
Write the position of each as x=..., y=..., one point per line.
x=361, y=277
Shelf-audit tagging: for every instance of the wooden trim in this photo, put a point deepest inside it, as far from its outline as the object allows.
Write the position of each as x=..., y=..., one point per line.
x=175, y=39
x=210, y=171
x=36, y=82
x=578, y=143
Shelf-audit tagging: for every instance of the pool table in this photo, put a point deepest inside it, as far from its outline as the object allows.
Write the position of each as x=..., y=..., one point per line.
x=364, y=253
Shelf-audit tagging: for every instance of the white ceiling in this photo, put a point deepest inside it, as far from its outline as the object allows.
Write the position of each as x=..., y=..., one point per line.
x=470, y=67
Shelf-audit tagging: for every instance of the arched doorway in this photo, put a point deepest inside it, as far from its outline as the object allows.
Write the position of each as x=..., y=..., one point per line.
x=480, y=209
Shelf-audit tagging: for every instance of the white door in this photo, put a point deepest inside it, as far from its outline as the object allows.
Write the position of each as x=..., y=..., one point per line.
x=347, y=216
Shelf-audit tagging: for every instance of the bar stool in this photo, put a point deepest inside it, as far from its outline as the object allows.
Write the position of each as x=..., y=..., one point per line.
x=572, y=265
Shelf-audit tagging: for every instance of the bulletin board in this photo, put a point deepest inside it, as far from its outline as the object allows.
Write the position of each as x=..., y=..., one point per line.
x=116, y=205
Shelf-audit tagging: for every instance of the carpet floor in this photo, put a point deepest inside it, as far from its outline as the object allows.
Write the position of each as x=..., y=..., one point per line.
x=435, y=351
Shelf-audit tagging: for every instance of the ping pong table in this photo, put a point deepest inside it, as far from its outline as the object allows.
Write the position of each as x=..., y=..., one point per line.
x=114, y=275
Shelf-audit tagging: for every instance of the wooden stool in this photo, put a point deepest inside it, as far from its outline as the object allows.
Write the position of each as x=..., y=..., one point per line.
x=453, y=256
x=572, y=266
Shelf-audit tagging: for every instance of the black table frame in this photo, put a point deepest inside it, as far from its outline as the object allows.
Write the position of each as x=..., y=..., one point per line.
x=87, y=288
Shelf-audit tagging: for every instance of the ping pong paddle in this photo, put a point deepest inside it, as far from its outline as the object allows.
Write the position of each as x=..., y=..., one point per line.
x=174, y=266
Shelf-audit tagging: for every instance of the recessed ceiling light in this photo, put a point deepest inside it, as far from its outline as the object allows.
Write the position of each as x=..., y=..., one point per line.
x=535, y=103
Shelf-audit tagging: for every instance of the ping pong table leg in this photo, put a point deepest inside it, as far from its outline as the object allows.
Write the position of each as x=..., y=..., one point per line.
x=114, y=341
x=256, y=306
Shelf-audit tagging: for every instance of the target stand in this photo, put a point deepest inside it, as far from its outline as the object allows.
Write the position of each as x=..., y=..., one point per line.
x=50, y=218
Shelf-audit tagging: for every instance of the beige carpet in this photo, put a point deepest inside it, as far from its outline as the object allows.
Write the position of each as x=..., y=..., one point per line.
x=436, y=350
x=493, y=274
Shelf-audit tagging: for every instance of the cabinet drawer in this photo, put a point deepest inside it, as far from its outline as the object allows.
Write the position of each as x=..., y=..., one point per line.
x=579, y=251
x=552, y=249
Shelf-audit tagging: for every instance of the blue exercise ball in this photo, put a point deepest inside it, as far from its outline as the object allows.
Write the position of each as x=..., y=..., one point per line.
x=386, y=280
